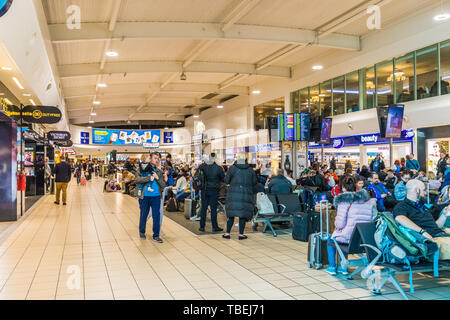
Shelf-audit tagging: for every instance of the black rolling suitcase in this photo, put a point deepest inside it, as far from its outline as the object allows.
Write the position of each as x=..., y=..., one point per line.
x=317, y=243
x=304, y=224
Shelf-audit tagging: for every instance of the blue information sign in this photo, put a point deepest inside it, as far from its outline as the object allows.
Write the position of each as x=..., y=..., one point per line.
x=84, y=137
x=168, y=137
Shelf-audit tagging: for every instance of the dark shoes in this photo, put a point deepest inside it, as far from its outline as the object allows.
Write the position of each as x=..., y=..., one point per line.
x=226, y=237
x=201, y=229
x=243, y=237
x=64, y=204
x=142, y=235
x=56, y=202
x=217, y=230
x=157, y=239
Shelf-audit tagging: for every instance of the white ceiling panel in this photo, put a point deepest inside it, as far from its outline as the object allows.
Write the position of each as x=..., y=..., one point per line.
x=91, y=10
x=79, y=52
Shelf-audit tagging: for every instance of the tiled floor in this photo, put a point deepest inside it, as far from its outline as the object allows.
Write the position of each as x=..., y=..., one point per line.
x=91, y=249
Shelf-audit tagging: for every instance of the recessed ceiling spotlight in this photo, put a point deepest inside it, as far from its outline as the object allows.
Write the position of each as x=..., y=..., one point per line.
x=18, y=83
x=195, y=115
x=256, y=91
x=96, y=102
x=220, y=106
x=91, y=121
x=6, y=68
x=93, y=113
x=442, y=17
x=278, y=109
x=179, y=123
x=111, y=53
x=27, y=95
x=317, y=67
x=166, y=128
x=102, y=85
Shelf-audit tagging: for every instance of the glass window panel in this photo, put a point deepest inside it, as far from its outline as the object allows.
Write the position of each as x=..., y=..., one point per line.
x=427, y=72
x=325, y=98
x=445, y=67
x=370, y=88
x=385, y=81
x=295, y=101
x=314, y=101
x=352, y=91
x=338, y=96
x=404, y=78
x=304, y=100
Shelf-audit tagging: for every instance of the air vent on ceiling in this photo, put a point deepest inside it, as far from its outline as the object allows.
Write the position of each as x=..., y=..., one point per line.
x=204, y=108
x=188, y=115
x=210, y=96
x=188, y=107
x=228, y=98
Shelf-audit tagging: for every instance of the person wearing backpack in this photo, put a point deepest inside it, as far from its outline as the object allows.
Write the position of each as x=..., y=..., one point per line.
x=213, y=176
x=412, y=214
x=412, y=165
x=240, y=198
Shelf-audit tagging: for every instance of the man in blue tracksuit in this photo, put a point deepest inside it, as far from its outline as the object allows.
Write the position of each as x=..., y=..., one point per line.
x=151, y=184
x=381, y=194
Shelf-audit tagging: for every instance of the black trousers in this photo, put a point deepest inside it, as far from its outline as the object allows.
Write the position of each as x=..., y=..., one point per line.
x=230, y=223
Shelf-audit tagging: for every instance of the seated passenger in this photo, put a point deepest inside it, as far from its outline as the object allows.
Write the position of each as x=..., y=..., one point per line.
x=127, y=179
x=352, y=208
x=422, y=176
x=182, y=187
x=400, y=187
x=385, y=201
x=279, y=184
x=290, y=178
x=364, y=172
x=391, y=180
x=412, y=214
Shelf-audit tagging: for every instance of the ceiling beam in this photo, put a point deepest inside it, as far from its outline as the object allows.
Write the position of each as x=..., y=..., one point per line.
x=118, y=117
x=142, y=88
x=90, y=69
x=201, y=31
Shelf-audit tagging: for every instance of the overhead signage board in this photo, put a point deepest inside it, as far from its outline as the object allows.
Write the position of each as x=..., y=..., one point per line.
x=58, y=135
x=294, y=126
x=126, y=137
x=67, y=143
x=84, y=137
x=41, y=114
x=168, y=137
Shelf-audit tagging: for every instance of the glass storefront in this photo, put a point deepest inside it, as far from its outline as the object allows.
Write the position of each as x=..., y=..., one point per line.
x=434, y=148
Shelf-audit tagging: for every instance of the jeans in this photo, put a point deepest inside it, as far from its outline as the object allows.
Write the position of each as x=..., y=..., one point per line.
x=331, y=249
x=209, y=198
x=181, y=195
x=155, y=204
x=78, y=179
x=230, y=223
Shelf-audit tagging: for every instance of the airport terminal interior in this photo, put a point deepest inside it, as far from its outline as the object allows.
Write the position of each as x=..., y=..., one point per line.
x=224, y=150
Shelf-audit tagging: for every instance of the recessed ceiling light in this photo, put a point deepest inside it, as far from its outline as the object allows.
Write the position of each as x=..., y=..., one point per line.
x=27, y=95
x=93, y=114
x=278, y=109
x=18, y=83
x=6, y=68
x=32, y=102
x=96, y=102
x=178, y=122
x=256, y=91
x=102, y=85
x=111, y=53
x=220, y=107
x=91, y=121
x=166, y=128
x=2, y=94
x=442, y=17
x=195, y=115
x=317, y=67
x=322, y=95
x=89, y=127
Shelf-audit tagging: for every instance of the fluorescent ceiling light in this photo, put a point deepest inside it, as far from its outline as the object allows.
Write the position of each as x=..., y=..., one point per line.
x=195, y=115
x=93, y=113
x=166, y=128
x=219, y=107
x=6, y=68
x=442, y=17
x=111, y=53
x=278, y=109
x=18, y=83
x=32, y=102
x=256, y=91
x=27, y=95
x=317, y=67
x=2, y=94
x=96, y=102
x=102, y=85
x=89, y=127
x=91, y=121
x=322, y=95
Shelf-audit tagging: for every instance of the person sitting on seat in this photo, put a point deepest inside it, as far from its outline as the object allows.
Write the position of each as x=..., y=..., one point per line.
x=391, y=180
x=182, y=188
x=279, y=184
x=127, y=179
x=383, y=196
x=400, y=187
x=352, y=208
x=411, y=213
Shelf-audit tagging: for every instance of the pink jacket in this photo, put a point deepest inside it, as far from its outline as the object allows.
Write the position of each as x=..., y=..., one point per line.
x=352, y=208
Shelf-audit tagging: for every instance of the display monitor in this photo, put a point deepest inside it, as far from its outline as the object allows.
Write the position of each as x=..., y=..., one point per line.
x=293, y=127
x=325, y=132
x=382, y=113
x=28, y=158
x=394, y=121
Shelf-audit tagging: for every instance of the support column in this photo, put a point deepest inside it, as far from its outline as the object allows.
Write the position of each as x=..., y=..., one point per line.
x=363, y=155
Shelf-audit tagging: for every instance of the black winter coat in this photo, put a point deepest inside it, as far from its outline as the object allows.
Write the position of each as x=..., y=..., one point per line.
x=214, y=175
x=240, y=198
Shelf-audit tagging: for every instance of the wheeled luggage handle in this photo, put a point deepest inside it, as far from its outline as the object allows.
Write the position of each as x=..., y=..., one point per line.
x=321, y=213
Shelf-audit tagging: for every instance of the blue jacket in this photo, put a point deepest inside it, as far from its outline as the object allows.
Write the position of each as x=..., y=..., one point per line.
x=378, y=189
x=412, y=165
x=446, y=178
x=400, y=191
x=279, y=185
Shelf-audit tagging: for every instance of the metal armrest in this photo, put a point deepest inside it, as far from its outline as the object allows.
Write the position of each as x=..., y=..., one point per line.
x=344, y=261
x=283, y=207
x=367, y=270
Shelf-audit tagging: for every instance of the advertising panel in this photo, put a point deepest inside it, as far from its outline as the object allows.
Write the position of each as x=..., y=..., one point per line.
x=146, y=138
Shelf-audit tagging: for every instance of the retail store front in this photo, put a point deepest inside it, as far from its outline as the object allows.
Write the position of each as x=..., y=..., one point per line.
x=361, y=149
x=430, y=143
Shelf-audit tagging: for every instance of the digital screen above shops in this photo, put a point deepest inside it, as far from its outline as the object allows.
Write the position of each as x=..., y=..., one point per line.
x=325, y=132
x=394, y=121
x=294, y=126
x=146, y=138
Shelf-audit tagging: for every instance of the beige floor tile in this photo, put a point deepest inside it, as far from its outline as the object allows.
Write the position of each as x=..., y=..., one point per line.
x=312, y=296
x=335, y=295
x=318, y=288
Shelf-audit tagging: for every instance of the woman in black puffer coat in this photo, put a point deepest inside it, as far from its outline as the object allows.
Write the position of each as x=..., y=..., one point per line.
x=240, y=198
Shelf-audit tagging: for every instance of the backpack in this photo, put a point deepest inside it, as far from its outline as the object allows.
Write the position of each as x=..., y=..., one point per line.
x=172, y=205
x=199, y=181
x=307, y=200
x=264, y=204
